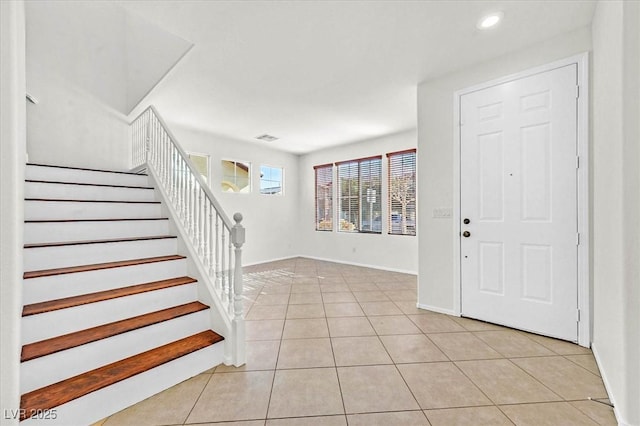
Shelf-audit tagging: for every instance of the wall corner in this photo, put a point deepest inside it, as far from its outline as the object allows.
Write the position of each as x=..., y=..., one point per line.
x=12, y=162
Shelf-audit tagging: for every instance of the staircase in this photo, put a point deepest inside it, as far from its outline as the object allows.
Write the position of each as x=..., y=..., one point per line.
x=110, y=314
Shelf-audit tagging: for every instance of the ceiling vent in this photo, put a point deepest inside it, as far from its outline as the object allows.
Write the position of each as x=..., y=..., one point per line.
x=267, y=138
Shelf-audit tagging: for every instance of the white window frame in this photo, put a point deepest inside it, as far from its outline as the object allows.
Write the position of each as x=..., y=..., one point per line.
x=250, y=179
x=208, y=157
x=281, y=193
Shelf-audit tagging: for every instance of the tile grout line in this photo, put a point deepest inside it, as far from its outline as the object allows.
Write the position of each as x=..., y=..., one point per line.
x=582, y=411
x=394, y=362
x=405, y=314
x=335, y=365
x=535, y=378
x=275, y=370
x=581, y=366
x=199, y=395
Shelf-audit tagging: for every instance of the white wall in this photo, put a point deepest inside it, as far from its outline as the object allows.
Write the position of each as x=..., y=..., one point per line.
x=435, y=162
x=271, y=221
x=395, y=252
x=12, y=159
x=616, y=203
x=88, y=65
x=151, y=53
x=77, y=71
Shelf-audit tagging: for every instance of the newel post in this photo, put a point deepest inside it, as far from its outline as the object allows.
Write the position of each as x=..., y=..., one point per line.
x=238, y=326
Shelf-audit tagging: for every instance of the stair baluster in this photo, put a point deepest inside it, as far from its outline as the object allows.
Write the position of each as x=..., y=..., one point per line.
x=217, y=245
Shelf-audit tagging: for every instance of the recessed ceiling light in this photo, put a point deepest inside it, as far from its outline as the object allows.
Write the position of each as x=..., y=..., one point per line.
x=267, y=138
x=490, y=21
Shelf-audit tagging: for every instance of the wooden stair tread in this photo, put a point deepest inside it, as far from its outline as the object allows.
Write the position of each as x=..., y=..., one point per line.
x=88, y=184
x=60, y=200
x=67, y=390
x=85, y=169
x=68, y=302
x=94, y=220
x=99, y=266
x=72, y=340
x=110, y=240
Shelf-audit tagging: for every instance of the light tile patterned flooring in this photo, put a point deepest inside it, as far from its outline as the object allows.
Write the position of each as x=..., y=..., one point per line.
x=332, y=344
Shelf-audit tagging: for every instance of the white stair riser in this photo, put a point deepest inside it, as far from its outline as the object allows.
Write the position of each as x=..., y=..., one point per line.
x=38, y=373
x=102, y=403
x=55, y=367
x=50, y=232
x=86, y=192
x=36, y=259
x=64, y=321
x=60, y=286
x=68, y=210
x=58, y=174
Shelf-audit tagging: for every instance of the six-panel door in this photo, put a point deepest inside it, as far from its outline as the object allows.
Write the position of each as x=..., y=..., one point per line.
x=518, y=191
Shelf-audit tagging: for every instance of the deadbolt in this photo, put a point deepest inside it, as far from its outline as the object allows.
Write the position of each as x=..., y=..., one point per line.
x=466, y=221
x=466, y=234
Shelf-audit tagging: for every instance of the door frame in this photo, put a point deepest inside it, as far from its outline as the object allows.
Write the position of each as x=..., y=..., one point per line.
x=582, y=131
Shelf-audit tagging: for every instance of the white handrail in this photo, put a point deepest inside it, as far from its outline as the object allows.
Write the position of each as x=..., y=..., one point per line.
x=216, y=243
x=194, y=172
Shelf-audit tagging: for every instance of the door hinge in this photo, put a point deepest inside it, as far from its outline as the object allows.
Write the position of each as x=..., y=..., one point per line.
x=577, y=238
x=32, y=99
x=578, y=315
x=577, y=161
x=577, y=92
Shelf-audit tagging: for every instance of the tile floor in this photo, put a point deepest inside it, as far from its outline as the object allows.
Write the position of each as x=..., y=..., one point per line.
x=331, y=344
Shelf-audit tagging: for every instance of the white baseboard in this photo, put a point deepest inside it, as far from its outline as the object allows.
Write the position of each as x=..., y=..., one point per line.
x=607, y=387
x=365, y=265
x=437, y=309
x=277, y=259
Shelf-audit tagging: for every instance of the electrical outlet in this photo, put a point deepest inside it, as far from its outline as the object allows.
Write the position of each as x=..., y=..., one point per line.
x=442, y=212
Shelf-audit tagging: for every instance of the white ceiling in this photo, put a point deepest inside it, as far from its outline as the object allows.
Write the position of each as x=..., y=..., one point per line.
x=321, y=73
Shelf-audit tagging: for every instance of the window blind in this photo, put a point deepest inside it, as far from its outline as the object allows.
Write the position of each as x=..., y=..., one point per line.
x=359, y=195
x=324, y=197
x=402, y=192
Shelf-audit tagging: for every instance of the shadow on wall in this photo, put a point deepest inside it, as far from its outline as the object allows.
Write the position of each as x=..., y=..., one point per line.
x=99, y=49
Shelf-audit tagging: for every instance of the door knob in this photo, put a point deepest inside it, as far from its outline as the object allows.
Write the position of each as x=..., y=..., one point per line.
x=466, y=234
x=466, y=221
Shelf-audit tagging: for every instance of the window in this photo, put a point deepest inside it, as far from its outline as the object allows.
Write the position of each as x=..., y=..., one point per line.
x=236, y=176
x=402, y=192
x=201, y=163
x=271, y=180
x=359, y=194
x=324, y=197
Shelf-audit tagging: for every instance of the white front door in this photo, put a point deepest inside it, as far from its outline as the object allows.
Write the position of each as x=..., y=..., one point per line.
x=518, y=191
